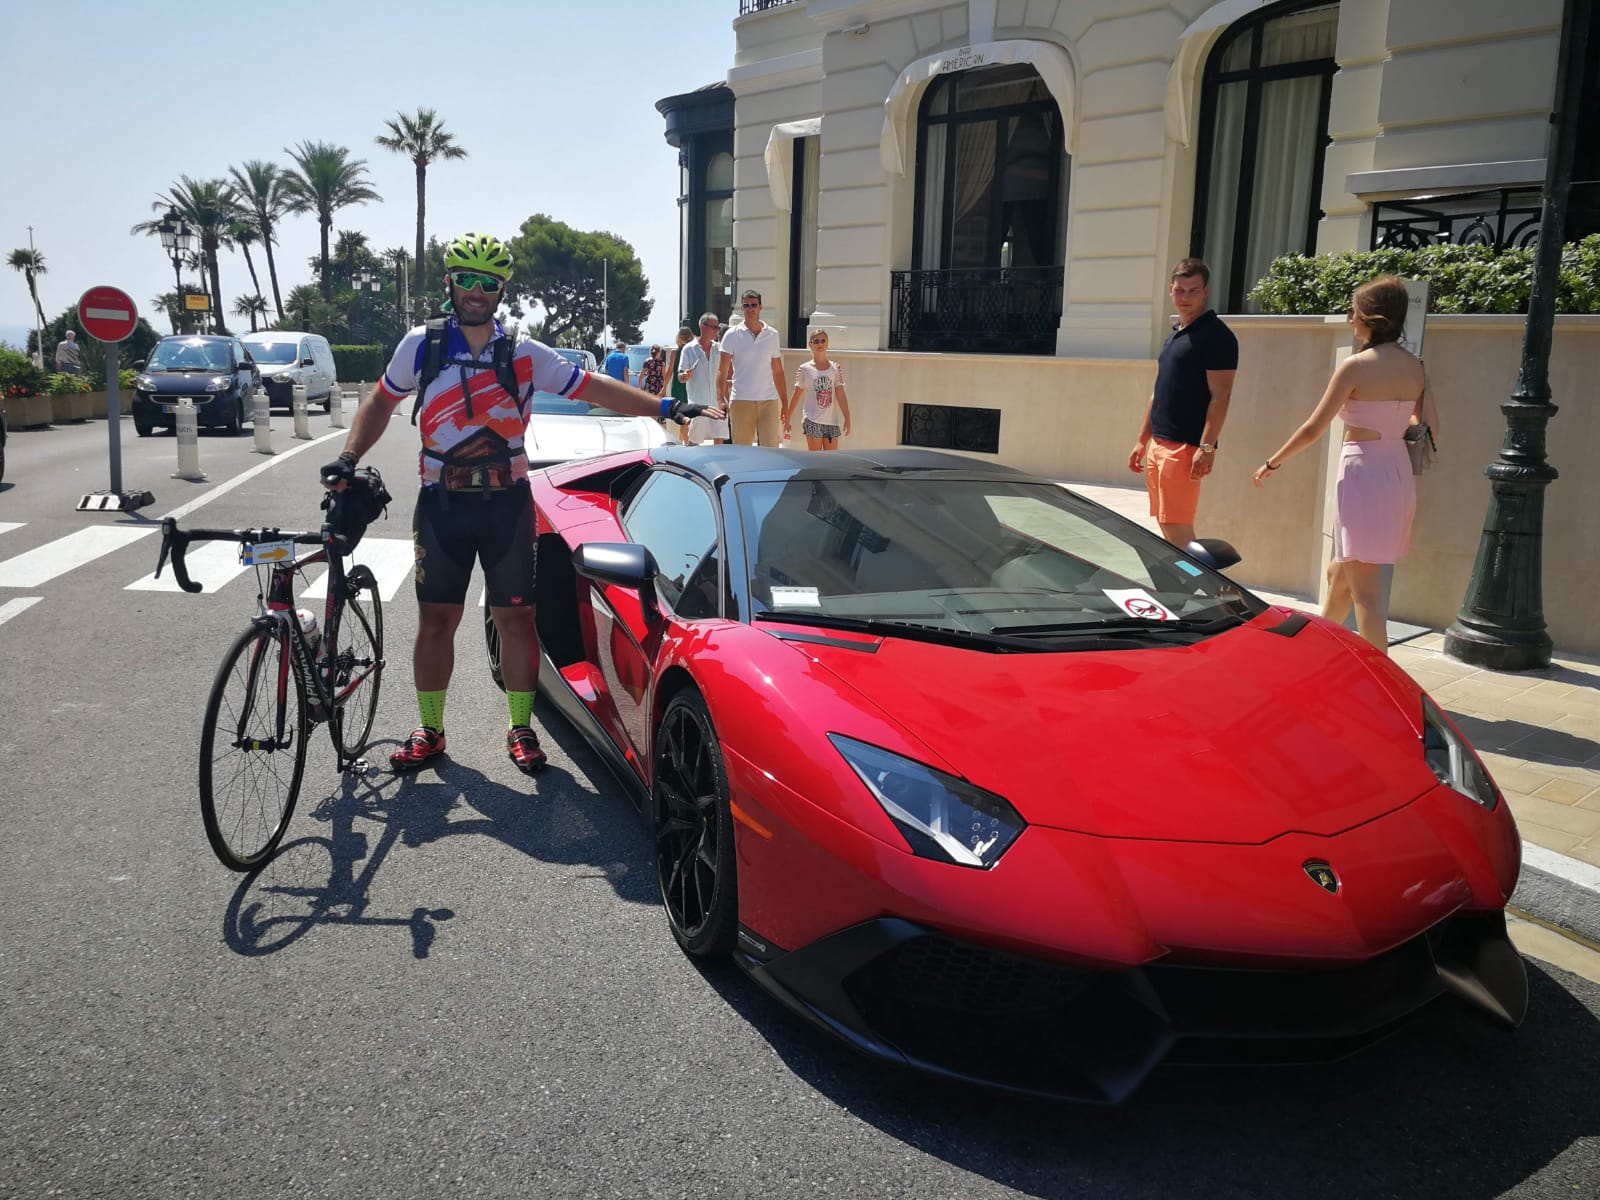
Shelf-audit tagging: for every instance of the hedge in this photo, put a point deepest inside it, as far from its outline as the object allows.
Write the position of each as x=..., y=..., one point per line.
x=1461, y=279
x=355, y=363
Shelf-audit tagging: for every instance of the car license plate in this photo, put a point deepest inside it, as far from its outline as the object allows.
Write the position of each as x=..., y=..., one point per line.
x=166, y=408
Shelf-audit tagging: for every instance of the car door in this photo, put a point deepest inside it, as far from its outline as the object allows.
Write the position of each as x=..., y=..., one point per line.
x=245, y=374
x=327, y=372
x=674, y=517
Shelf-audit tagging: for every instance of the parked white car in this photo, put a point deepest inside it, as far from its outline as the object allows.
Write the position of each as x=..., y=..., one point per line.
x=562, y=430
x=286, y=358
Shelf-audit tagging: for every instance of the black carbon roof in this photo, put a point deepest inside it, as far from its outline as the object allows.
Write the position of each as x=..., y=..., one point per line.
x=755, y=462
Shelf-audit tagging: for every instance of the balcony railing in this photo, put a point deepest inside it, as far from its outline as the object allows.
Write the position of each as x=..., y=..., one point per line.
x=750, y=6
x=989, y=310
x=1500, y=219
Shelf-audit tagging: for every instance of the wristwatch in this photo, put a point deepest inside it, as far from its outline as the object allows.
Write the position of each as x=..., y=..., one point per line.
x=1209, y=447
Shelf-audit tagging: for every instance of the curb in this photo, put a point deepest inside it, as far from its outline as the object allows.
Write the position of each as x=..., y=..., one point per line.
x=1559, y=891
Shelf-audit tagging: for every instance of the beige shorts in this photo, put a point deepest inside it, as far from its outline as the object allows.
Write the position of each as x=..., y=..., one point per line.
x=755, y=422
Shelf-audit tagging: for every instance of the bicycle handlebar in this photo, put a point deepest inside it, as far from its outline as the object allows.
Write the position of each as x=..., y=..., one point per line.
x=175, y=542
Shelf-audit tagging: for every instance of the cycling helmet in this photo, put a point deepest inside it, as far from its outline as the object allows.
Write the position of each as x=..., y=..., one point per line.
x=478, y=252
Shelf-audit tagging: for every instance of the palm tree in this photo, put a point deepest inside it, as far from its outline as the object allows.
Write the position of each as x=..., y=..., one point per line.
x=251, y=306
x=31, y=264
x=422, y=139
x=241, y=233
x=213, y=208
x=396, y=258
x=261, y=188
x=325, y=180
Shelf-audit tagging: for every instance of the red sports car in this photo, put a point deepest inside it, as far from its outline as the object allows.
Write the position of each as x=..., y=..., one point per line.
x=989, y=781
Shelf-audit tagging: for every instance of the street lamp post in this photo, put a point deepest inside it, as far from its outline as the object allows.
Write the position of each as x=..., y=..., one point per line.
x=1501, y=623
x=177, y=239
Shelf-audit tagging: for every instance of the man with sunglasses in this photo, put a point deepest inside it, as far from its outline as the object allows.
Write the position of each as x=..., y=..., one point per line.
x=750, y=383
x=474, y=505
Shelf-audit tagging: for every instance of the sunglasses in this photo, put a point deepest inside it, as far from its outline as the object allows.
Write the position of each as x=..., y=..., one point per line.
x=469, y=280
x=750, y=304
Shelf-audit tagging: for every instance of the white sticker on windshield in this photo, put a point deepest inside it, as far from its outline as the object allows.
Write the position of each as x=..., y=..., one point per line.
x=266, y=552
x=1137, y=602
x=795, y=597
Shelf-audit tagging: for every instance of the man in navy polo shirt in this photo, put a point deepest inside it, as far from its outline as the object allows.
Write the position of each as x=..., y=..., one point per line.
x=1178, y=441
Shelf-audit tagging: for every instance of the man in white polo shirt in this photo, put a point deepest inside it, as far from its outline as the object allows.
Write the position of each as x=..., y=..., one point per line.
x=750, y=382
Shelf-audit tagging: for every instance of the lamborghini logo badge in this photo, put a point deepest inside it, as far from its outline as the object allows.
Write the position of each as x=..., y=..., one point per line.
x=1321, y=874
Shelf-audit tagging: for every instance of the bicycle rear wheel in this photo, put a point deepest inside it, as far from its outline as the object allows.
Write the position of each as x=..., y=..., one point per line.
x=249, y=773
x=359, y=662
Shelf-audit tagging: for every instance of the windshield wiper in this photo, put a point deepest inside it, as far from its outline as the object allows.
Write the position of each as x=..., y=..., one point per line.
x=1119, y=625
x=881, y=627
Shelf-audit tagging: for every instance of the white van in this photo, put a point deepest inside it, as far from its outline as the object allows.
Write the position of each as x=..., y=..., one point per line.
x=287, y=358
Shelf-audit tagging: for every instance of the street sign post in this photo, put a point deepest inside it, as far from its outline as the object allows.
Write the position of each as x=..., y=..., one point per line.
x=109, y=315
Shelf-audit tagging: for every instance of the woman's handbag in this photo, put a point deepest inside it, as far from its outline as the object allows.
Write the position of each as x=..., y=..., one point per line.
x=1420, y=445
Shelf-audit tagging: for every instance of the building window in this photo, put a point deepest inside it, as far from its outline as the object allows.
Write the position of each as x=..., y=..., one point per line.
x=1263, y=129
x=803, y=237
x=990, y=232
x=719, y=235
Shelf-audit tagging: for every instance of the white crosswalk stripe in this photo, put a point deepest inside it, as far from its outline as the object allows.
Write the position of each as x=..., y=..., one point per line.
x=21, y=604
x=391, y=561
x=45, y=562
x=211, y=564
x=8, y=526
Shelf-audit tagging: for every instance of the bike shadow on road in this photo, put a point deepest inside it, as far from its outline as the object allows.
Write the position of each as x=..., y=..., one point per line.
x=325, y=879
x=1449, y=1106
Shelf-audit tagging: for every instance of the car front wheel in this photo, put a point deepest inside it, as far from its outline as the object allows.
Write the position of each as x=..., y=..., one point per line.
x=694, y=830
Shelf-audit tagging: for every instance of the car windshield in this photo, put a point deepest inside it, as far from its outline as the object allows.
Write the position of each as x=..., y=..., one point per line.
x=994, y=558
x=189, y=354
x=274, y=354
x=550, y=404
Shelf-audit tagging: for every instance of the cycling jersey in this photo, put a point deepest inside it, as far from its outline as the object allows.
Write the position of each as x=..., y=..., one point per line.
x=467, y=417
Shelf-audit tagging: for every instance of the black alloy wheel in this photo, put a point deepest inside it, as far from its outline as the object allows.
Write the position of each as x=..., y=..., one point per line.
x=491, y=640
x=142, y=427
x=695, y=860
x=235, y=423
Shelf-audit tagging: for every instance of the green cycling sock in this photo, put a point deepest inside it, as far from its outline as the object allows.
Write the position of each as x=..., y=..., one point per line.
x=521, y=708
x=431, y=707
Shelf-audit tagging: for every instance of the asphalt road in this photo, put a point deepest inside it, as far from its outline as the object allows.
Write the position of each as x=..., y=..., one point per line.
x=462, y=984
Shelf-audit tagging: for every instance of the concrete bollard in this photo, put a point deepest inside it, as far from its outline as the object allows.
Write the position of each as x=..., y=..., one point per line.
x=336, y=405
x=188, y=430
x=261, y=417
x=302, y=426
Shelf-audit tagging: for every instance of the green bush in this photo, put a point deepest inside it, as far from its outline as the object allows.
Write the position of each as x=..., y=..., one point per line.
x=62, y=384
x=18, y=375
x=1461, y=279
x=355, y=363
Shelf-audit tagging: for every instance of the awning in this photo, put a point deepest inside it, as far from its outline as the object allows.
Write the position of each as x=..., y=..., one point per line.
x=780, y=158
x=1047, y=58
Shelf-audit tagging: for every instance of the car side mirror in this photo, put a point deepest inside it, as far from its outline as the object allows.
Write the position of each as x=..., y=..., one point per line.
x=624, y=564
x=1215, y=553
x=308, y=362
x=138, y=364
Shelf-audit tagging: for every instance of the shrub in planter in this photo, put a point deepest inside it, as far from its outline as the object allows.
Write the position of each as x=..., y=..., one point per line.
x=18, y=375
x=62, y=384
x=1461, y=279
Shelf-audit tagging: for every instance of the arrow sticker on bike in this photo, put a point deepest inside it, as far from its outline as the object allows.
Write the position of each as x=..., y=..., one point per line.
x=266, y=552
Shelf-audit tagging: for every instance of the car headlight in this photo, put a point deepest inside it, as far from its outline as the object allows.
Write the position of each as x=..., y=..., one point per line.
x=220, y=384
x=941, y=817
x=144, y=383
x=1455, y=763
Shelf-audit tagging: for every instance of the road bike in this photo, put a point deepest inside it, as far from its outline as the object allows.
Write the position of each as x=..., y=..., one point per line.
x=277, y=683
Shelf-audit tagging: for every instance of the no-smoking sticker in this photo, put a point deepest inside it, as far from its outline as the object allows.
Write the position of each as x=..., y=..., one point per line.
x=1137, y=602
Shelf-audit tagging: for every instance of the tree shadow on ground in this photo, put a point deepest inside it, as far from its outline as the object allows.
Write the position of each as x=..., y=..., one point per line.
x=1447, y=1107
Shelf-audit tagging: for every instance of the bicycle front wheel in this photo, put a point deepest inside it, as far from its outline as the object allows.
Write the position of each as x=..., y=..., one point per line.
x=358, y=665
x=253, y=747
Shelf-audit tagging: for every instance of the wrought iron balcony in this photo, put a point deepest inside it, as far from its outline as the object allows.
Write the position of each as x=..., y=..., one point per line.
x=988, y=310
x=751, y=6
x=1500, y=219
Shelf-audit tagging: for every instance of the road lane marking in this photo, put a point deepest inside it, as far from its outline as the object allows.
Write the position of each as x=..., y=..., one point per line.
x=183, y=510
x=21, y=604
x=8, y=526
x=390, y=559
x=45, y=562
x=211, y=565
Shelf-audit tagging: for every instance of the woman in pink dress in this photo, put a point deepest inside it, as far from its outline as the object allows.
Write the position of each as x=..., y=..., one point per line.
x=1377, y=392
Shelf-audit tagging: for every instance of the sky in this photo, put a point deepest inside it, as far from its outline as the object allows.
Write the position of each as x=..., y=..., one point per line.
x=554, y=104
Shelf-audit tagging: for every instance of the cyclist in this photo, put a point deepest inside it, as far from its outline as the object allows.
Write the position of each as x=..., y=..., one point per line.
x=474, y=502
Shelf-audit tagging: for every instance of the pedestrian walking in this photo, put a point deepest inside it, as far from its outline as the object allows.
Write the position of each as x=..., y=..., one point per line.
x=1377, y=392
x=616, y=364
x=699, y=367
x=653, y=372
x=819, y=395
x=751, y=380
x=678, y=388
x=69, y=355
x=1178, y=441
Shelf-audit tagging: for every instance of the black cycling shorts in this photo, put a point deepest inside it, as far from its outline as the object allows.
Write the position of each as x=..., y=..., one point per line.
x=454, y=529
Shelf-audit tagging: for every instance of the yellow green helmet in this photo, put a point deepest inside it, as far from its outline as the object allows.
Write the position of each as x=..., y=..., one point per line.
x=478, y=252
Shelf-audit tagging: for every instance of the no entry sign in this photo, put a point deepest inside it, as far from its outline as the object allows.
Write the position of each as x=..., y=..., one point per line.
x=107, y=314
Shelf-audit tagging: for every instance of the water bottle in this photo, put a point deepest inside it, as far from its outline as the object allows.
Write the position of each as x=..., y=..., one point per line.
x=308, y=626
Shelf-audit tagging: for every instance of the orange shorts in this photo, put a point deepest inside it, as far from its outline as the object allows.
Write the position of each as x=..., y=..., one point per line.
x=1174, y=493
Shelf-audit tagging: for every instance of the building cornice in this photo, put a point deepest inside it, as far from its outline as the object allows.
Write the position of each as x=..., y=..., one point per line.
x=843, y=14
x=772, y=73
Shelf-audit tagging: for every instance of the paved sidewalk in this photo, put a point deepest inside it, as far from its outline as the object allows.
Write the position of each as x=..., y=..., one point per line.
x=1538, y=731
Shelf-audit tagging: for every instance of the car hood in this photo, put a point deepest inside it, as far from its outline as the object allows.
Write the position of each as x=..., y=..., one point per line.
x=557, y=438
x=1239, y=738
x=181, y=383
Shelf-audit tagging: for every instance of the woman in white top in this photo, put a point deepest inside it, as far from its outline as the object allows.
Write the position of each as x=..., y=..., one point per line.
x=819, y=394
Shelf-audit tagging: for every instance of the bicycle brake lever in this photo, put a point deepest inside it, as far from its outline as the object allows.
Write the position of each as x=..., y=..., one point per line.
x=176, y=542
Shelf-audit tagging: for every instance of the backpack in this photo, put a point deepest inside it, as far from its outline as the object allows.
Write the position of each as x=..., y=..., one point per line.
x=354, y=508
x=434, y=361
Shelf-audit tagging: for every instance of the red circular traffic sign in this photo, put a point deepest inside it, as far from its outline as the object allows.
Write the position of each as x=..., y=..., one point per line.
x=107, y=314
